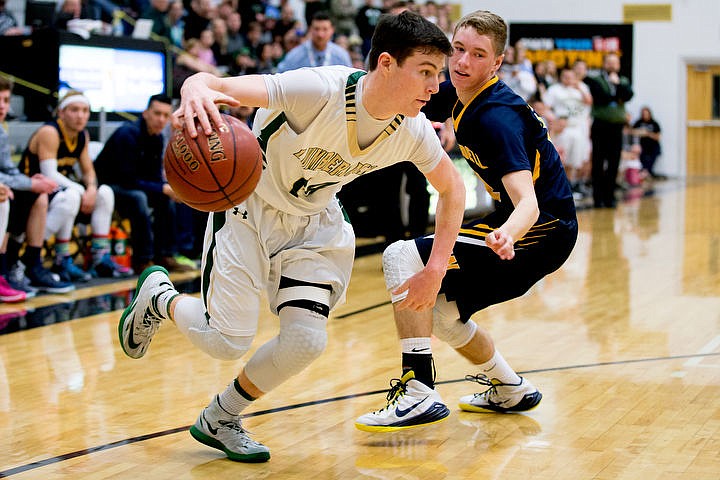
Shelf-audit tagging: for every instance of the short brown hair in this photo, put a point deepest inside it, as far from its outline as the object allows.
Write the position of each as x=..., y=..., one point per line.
x=5, y=84
x=405, y=34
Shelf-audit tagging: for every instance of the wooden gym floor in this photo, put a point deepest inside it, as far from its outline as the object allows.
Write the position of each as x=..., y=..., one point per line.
x=623, y=341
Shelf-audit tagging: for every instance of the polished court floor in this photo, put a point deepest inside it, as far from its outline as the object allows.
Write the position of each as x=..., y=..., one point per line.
x=623, y=341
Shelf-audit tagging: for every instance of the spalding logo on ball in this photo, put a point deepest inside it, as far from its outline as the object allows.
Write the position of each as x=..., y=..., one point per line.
x=214, y=172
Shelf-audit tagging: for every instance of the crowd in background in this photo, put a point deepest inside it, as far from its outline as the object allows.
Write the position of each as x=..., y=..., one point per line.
x=585, y=115
x=234, y=37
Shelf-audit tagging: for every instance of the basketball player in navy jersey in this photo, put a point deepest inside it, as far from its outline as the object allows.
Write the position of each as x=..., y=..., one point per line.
x=497, y=258
x=58, y=149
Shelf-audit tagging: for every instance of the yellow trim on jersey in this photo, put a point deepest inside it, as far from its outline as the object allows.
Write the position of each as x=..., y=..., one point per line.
x=544, y=225
x=481, y=230
x=536, y=167
x=70, y=142
x=456, y=121
x=351, y=122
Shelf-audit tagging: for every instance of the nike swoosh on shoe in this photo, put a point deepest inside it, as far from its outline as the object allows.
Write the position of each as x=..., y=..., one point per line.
x=131, y=340
x=209, y=427
x=401, y=413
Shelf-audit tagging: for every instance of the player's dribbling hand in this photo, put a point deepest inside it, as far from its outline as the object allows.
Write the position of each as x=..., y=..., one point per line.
x=501, y=243
x=198, y=100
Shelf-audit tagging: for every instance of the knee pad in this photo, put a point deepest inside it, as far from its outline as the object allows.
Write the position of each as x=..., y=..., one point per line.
x=299, y=344
x=401, y=260
x=4, y=218
x=447, y=325
x=101, y=217
x=218, y=345
x=105, y=199
x=62, y=211
x=66, y=203
x=301, y=340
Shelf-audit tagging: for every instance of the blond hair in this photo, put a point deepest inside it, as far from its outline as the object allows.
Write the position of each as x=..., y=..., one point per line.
x=486, y=23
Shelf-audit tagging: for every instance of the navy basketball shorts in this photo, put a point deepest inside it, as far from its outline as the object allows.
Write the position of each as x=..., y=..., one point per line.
x=477, y=277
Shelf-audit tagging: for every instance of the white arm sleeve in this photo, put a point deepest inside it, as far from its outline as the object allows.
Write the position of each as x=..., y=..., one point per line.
x=48, y=167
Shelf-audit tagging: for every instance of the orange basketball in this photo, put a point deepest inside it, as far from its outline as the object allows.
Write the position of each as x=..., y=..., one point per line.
x=214, y=172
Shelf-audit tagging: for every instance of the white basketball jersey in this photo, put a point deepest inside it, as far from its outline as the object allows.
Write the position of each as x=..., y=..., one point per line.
x=304, y=170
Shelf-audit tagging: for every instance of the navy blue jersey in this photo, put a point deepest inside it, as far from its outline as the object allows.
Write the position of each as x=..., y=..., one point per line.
x=68, y=155
x=498, y=133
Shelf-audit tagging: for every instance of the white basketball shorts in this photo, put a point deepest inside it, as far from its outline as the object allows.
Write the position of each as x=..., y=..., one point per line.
x=248, y=248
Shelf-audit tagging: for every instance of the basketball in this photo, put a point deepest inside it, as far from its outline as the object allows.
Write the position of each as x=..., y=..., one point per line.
x=215, y=172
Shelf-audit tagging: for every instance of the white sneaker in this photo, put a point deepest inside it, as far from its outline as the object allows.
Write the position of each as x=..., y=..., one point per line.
x=501, y=397
x=142, y=318
x=410, y=404
x=217, y=429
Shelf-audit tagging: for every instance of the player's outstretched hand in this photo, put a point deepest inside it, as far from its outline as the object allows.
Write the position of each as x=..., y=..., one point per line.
x=501, y=243
x=199, y=100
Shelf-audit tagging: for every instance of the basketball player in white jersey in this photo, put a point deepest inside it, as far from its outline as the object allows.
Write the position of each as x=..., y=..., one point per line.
x=319, y=128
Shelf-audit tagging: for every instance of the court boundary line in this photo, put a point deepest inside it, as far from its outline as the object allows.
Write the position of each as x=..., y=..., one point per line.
x=128, y=441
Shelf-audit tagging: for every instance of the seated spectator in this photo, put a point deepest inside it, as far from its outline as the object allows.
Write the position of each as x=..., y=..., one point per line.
x=221, y=53
x=7, y=293
x=318, y=50
x=254, y=39
x=290, y=40
x=157, y=12
x=26, y=198
x=251, y=11
x=286, y=22
x=204, y=50
x=8, y=23
x=246, y=60
x=175, y=19
x=28, y=214
x=188, y=62
x=58, y=149
x=314, y=6
x=648, y=130
x=198, y=17
x=226, y=8
x=236, y=40
x=70, y=10
x=366, y=18
x=131, y=164
x=267, y=62
x=342, y=13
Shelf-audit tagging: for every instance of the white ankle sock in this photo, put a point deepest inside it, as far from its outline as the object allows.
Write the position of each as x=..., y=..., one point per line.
x=231, y=401
x=416, y=345
x=163, y=301
x=497, y=367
